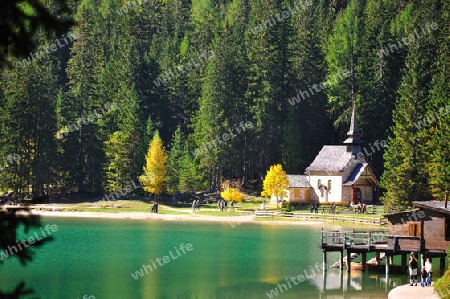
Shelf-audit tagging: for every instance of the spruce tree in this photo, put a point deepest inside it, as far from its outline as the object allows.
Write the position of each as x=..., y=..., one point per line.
x=29, y=126
x=303, y=134
x=437, y=118
x=174, y=160
x=342, y=58
x=406, y=177
x=267, y=71
x=83, y=144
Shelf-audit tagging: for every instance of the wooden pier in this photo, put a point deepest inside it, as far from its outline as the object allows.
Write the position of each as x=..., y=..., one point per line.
x=385, y=246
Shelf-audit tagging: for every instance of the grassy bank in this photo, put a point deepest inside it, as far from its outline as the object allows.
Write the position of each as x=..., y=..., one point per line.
x=209, y=208
x=442, y=285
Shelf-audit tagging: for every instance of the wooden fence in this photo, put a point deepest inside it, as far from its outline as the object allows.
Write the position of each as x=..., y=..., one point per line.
x=358, y=219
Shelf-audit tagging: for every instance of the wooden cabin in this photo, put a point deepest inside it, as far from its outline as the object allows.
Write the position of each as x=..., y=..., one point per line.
x=424, y=230
x=299, y=189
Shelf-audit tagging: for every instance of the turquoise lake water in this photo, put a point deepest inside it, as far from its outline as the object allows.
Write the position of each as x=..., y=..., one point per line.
x=98, y=258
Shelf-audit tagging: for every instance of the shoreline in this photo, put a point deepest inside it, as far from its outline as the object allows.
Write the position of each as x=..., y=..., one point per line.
x=236, y=220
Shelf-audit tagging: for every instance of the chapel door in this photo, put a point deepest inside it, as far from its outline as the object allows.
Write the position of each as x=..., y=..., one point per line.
x=357, y=195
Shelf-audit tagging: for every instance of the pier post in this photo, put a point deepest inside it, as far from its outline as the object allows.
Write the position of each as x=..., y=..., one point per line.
x=377, y=257
x=442, y=265
x=349, y=260
x=387, y=264
x=404, y=260
x=341, y=260
x=324, y=260
x=364, y=260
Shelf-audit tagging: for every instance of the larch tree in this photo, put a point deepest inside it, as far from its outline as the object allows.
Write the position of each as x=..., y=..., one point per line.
x=276, y=182
x=378, y=73
x=232, y=194
x=155, y=169
x=342, y=58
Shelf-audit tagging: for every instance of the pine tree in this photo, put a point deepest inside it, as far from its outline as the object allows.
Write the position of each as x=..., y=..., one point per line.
x=174, y=160
x=155, y=169
x=267, y=72
x=83, y=145
x=437, y=118
x=406, y=177
x=189, y=178
x=223, y=107
x=29, y=126
x=342, y=54
x=303, y=135
x=378, y=74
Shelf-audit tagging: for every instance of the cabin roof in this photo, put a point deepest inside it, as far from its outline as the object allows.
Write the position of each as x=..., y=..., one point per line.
x=298, y=181
x=400, y=213
x=436, y=206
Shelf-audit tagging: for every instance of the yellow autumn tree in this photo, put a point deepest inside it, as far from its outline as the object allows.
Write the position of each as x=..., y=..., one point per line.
x=276, y=182
x=232, y=194
x=155, y=169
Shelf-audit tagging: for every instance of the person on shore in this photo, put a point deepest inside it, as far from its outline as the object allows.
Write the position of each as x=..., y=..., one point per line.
x=423, y=276
x=219, y=205
x=412, y=269
x=232, y=206
x=263, y=206
x=332, y=208
x=429, y=269
x=194, y=205
x=311, y=208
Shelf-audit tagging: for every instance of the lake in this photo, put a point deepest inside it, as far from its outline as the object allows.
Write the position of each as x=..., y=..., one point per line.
x=106, y=258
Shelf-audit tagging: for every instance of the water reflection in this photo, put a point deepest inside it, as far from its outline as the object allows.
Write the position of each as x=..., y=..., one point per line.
x=341, y=284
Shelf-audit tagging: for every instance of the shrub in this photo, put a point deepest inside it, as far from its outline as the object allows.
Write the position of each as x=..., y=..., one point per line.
x=288, y=207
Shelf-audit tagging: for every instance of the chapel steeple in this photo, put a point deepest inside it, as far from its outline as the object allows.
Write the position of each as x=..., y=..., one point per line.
x=353, y=136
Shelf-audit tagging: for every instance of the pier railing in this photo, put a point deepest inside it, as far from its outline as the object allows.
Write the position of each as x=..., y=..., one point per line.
x=357, y=218
x=353, y=238
x=371, y=240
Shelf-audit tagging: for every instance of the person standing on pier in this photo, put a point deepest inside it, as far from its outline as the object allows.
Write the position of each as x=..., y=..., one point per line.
x=429, y=269
x=423, y=276
x=413, y=269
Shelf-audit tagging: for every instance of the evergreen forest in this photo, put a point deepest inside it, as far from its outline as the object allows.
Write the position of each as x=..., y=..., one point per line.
x=230, y=87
